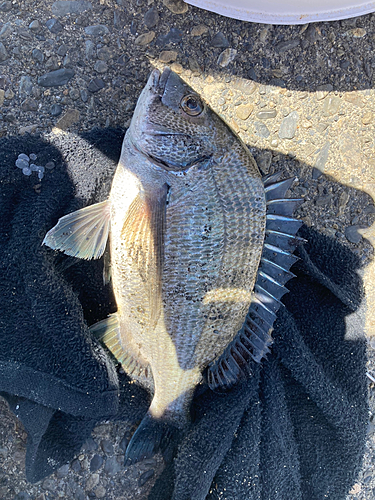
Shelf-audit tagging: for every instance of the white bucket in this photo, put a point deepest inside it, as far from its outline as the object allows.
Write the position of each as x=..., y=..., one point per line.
x=286, y=11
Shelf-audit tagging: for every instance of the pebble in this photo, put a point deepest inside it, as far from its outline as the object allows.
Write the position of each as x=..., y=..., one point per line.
x=54, y=25
x=96, y=463
x=71, y=116
x=167, y=56
x=84, y=95
x=3, y=53
x=97, y=30
x=112, y=466
x=29, y=105
x=331, y=105
x=367, y=118
x=100, y=491
x=6, y=6
x=199, y=30
x=356, y=32
x=352, y=234
x=173, y=36
x=64, y=470
x=151, y=18
x=145, y=38
x=322, y=157
x=264, y=161
x=25, y=87
x=28, y=129
x=92, y=481
x=226, y=57
x=56, y=78
x=104, y=54
x=101, y=66
x=322, y=91
x=95, y=85
x=266, y=114
x=288, y=126
x=2, y=96
x=22, y=495
x=176, y=6
x=287, y=45
x=24, y=34
x=38, y=55
x=50, y=166
x=74, y=94
x=76, y=465
x=146, y=476
x=125, y=441
x=62, y=50
x=52, y=63
x=21, y=162
x=55, y=110
x=107, y=446
x=262, y=129
x=220, y=40
x=89, y=49
x=243, y=111
x=35, y=25
x=62, y=8
x=48, y=483
x=5, y=30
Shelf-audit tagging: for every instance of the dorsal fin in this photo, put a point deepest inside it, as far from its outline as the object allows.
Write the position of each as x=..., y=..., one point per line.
x=252, y=342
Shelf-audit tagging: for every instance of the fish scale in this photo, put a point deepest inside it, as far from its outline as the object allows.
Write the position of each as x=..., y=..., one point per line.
x=201, y=248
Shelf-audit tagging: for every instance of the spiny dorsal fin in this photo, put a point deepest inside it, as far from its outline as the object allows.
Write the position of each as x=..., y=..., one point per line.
x=253, y=340
x=83, y=233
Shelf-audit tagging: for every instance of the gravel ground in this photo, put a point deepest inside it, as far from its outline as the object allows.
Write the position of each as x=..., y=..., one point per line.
x=301, y=96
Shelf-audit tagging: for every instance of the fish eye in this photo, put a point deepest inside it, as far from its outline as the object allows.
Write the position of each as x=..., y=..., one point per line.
x=192, y=105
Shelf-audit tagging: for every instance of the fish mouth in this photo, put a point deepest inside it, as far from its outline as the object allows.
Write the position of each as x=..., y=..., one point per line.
x=159, y=80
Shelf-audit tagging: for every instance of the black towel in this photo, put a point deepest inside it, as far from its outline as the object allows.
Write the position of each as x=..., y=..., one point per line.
x=295, y=430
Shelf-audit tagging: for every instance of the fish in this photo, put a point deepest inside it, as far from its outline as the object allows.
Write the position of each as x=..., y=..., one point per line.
x=201, y=246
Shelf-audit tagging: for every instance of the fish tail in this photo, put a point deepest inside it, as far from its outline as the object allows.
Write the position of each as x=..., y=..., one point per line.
x=153, y=435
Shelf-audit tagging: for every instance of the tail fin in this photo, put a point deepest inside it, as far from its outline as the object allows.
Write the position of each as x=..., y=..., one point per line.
x=153, y=435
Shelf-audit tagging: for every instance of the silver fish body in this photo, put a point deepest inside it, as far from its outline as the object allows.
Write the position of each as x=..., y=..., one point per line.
x=187, y=223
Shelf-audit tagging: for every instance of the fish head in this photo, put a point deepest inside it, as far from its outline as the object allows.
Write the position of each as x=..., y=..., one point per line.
x=174, y=127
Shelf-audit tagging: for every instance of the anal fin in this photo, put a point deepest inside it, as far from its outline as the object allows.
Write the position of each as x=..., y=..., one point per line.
x=107, y=331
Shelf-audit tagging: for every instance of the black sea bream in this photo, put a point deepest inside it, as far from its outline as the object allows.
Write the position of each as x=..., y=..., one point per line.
x=200, y=249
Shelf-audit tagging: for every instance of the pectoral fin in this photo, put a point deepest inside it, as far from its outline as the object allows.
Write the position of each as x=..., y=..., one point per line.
x=143, y=234
x=83, y=233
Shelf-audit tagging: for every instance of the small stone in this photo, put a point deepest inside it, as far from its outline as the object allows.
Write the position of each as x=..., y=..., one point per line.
x=54, y=25
x=288, y=126
x=226, y=57
x=76, y=464
x=97, y=30
x=71, y=116
x=145, y=38
x=5, y=6
x=25, y=87
x=67, y=62
x=243, y=111
x=264, y=161
x=29, y=105
x=112, y=466
x=262, y=129
x=352, y=234
x=176, y=6
x=64, y=470
x=92, y=481
x=22, y=495
x=104, y=54
x=177, y=68
x=96, y=463
x=199, y=30
x=322, y=157
x=29, y=129
x=107, y=446
x=287, y=45
x=50, y=165
x=89, y=49
x=219, y=40
x=74, y=94
x=151, y=18
x=3, y=53
x=80, y=494
x=354, y=99
x=9, y=94
x=48, y=484
x=56, y=78
x=95, y=85
x=331, y=105
x=33, y=156
x=356, y=32
x=84, y=95
x=63, y=7
x=323, y=90
x=38, y=55
x=100, y=491
x=167, y=56
x=101, y=67
x=55, y=110
x=146, y=476
x=35, y=26
x=266, y=114
x=5, y=31
x=24, y=34
x=367, y=118
x=52, y=63
x=62, y=50
x=2, y=96
x=125, y=441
